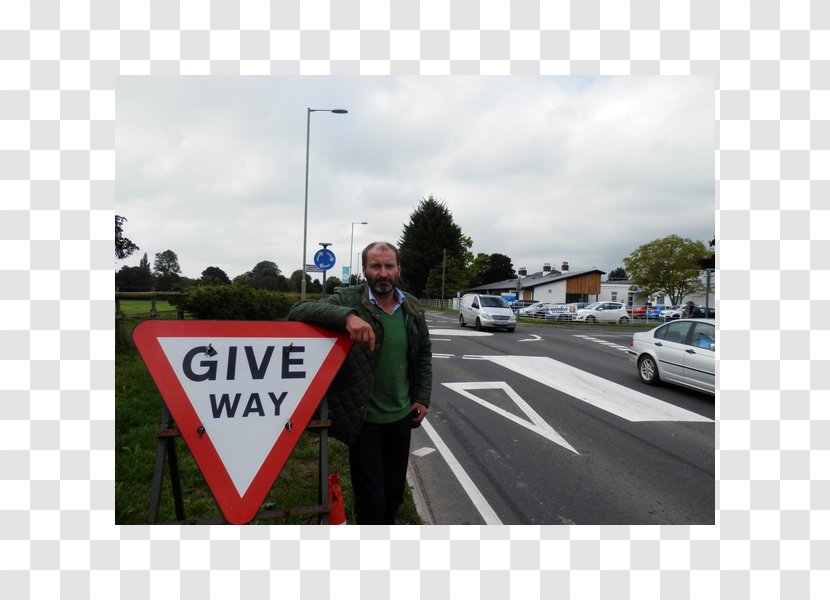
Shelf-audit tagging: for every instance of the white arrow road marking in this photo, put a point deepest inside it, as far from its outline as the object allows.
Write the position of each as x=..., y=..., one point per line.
x=479, y=501
x=535, y=338
x=537, y=424
x=614, y=398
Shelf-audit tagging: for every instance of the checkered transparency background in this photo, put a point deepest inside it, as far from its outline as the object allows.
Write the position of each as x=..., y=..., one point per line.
x=770, y=63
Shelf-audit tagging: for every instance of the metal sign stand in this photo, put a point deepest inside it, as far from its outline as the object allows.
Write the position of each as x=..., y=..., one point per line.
x=166, y=446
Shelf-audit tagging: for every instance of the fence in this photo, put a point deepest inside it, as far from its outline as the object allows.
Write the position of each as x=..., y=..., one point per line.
x=121, y=336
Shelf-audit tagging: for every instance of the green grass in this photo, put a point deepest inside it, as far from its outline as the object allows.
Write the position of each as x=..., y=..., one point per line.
x=138, y=407
x=134, y=307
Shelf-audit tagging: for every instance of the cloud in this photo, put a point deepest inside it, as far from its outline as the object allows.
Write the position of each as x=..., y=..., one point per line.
x=541, y=169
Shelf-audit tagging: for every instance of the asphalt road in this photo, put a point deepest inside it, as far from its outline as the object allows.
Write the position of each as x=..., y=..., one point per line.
x=551, y=425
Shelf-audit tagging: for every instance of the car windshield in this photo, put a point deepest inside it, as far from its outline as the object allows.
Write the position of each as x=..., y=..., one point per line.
x=591, y=306
x=494, y=301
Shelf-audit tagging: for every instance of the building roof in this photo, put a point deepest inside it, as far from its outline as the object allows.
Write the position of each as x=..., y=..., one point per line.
x=534, y=280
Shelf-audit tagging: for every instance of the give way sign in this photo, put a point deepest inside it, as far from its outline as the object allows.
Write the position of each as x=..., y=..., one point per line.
x=241, y=393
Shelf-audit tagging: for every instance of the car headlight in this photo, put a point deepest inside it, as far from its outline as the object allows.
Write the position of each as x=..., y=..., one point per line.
x=486, y=315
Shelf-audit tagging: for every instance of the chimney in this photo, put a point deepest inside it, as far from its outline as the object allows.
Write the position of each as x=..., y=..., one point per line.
x=546, y=268
x=564, y=265
x=522, y=272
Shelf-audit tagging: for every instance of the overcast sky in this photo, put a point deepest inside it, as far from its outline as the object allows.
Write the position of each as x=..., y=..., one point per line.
x=541, y=169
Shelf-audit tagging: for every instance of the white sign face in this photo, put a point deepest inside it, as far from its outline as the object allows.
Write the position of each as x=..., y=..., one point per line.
x=244, y=391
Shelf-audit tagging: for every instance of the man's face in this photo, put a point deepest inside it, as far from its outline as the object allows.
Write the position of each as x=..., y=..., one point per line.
x=382, y=270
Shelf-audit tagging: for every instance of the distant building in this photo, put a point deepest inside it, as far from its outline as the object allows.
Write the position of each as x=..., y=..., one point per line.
x=549, y=285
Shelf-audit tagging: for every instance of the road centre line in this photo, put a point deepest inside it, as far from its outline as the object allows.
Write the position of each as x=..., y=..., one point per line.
x=606, y=395
x=479, y=501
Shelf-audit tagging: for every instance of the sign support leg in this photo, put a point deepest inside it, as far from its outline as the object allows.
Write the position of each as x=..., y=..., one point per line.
x=166, y=446
x=324, y=461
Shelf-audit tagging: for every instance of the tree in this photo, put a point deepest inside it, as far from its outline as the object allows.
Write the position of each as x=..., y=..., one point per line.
x=134, y=279
x=430, y=231
x=167, y=263
x=668, y=266
x=455, y=278
x=489, y=268
x=296, y=279
x=123, y=246
x=331, y=283
x=214, y=276
x=618, y=273
x=167, y=269
x=144, y=263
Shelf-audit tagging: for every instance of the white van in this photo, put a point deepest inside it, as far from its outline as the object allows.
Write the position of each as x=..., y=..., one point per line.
x=486, y=311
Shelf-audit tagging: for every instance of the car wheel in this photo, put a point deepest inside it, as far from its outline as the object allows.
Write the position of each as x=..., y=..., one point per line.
x=461, y=321
x=623, y=319
x=591, y=319
x=478, y=324
x=647, y=367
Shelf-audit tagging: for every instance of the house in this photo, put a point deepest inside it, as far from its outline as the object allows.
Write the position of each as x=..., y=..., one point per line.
x=622, y=290
x=549, y=285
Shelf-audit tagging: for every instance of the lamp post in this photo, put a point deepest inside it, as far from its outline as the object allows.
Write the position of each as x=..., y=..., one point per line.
x=337, y=111
x=351, y=247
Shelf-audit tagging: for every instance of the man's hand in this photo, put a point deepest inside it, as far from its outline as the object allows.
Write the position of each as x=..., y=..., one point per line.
x=360, y=332
x=422, y=412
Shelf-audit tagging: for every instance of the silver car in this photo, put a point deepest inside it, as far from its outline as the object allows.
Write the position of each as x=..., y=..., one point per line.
x=681, y=352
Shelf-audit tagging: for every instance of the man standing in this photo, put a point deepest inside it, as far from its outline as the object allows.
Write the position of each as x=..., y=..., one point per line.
x=383, y=388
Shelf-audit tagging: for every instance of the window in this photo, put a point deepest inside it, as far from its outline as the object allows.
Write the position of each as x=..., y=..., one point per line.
x=614, y=296
x=703, y=336
x=674, y=332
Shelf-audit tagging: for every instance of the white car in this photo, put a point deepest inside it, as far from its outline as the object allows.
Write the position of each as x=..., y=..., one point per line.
x=681, y=352
x=613, y=312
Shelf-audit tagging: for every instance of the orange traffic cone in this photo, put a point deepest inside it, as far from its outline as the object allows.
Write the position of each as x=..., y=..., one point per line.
x=337, y=516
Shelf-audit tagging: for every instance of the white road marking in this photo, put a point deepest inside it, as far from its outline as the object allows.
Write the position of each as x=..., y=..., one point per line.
x=535, y=338
x=614, y=398
x=460, y=332
x=603, y=342
x=423, y=451
x=436, y=355
x=536, y=424
x=479, y=501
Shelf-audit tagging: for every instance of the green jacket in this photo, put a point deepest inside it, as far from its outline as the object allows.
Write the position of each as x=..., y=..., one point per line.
x=348, y=395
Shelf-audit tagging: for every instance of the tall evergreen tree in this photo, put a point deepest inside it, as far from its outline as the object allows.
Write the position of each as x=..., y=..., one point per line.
x=431, y=230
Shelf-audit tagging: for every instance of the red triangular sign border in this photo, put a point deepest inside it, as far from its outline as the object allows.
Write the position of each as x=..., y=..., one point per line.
x=236, y=509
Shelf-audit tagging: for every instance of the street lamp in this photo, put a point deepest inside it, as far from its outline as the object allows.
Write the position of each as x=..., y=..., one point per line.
x=337, y=111
x=351, y=247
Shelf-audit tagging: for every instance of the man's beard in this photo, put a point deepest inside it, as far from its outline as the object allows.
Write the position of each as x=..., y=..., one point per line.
x=382, y=285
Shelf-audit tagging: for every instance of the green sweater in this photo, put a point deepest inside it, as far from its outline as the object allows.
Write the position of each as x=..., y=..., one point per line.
x=389, y=401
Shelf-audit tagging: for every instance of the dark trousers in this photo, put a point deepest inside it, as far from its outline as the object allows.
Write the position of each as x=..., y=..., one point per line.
x=378, y=460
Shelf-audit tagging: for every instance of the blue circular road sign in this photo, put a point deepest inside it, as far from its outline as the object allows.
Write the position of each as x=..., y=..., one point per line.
x=324, y=259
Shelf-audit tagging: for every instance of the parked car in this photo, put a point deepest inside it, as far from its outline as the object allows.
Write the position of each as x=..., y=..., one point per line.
x=520, y=304
x=564, y=312
x=558, y=312
x=482, y=310
x=680, y=352
x=614, y=312
x=701, y=312
x=639, y=312
x=654, y=312
x=670, y=314
x=535, y=310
